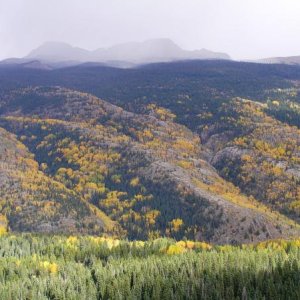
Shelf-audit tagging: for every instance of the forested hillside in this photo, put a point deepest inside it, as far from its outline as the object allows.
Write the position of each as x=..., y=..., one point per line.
x=31, y=201
x=137, y=164
x=200, y=150
x=145, y=172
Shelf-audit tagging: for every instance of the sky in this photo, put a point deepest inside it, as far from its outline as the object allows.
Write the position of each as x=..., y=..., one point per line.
x=245, y=29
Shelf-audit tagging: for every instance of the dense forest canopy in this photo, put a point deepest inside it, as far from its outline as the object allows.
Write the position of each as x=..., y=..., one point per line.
x=72, y=267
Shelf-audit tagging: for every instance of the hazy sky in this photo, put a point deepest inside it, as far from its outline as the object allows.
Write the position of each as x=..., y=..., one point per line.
x=242, y=28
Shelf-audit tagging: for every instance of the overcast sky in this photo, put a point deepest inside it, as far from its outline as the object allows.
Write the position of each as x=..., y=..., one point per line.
x=242, y=28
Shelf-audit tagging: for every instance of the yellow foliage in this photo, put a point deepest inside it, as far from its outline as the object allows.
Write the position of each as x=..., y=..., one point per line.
x=181, y=244
x=175, y=249
x=151, y=216
x=184, y=145
x=72, y=240
x=109, y=242
x=203, y=246
x=190, y=244
x=139, y=244
x=50, y=267
x=18, y=262
x=134, y=182
x=3, y=230
x=176, y=224
x=185, y=164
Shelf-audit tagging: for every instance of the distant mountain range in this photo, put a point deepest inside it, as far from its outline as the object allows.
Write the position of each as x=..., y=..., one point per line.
x=289, y=60
x=53, y=55
x=57, y=54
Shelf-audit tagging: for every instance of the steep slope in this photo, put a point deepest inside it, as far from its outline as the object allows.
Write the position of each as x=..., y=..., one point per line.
x=145, y=171
x=33, y=202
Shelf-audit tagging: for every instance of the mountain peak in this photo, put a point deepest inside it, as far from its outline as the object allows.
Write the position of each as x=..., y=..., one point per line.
x=58, y=51
x=148, y=51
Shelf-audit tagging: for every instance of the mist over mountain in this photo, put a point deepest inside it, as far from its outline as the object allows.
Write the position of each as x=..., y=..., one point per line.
x=58, y=51
x=157, y=50
x=288, y=60
x=51, y=55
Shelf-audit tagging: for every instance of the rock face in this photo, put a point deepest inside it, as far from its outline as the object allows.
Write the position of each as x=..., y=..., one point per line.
x=129, y=174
